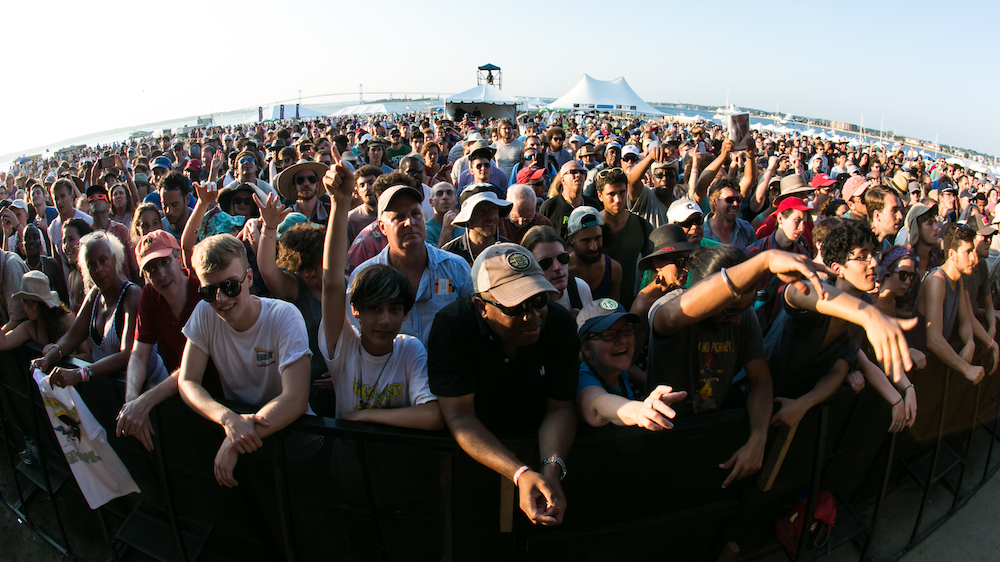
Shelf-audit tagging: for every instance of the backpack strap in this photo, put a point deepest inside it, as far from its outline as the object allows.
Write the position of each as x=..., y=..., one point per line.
x=574, y=294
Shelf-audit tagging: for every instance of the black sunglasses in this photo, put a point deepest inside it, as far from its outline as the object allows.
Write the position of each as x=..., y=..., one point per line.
x=905, y=276
x=242, y=200
x=306, y=179
x=537, y=302
x=697, y=220
x=230, y=287
x=546, y=263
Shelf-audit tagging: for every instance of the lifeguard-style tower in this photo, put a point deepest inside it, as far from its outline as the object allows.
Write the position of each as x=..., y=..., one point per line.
x=490, y=74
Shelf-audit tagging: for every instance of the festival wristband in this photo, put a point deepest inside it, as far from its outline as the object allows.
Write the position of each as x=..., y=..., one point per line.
x=520, y=471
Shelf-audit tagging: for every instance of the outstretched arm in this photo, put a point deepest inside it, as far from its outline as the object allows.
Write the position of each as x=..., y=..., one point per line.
x=712, y=294
x=885, y=333
x=598, y=407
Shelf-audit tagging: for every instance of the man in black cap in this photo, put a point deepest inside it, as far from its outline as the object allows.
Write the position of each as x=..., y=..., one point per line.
x=482, y=169
x=506, y=360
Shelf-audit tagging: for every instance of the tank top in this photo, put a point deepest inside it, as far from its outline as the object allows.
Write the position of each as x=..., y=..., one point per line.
x=109, y=342
x=949, y=309
x=603, y=289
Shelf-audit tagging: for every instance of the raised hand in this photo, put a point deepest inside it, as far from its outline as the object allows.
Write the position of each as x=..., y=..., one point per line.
x=207, y=191
x=339, y=180
x=272, y=212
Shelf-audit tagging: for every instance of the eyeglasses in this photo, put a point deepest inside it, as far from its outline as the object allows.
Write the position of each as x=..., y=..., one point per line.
x=531, y=156
x=537, y=302
x=482, y=166
x=230, y=287
x=734, y=200
x=905, y=276
x=612, y=335
x=679, y=262
x=864, y=257
x=608, y=171
x=560, y=139
x=546, y=263
x=576, y=171
x=306, y=179
x=97, y=197
x=242, y=200
x=630, y=158
x=247, y=160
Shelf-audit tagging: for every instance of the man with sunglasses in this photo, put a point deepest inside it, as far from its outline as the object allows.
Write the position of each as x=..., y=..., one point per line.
x=724, y=224
x=482, y=169
x=260, y=346
x=100, y=212
x=556, y=154
x=557, y=209
x=612, y=159
x=246, y=172
x=505, y=360
x=686, y=214
x=300, y=187
x=651, y=203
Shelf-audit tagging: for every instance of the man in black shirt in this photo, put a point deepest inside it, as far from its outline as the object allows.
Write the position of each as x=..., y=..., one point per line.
x=505, y=360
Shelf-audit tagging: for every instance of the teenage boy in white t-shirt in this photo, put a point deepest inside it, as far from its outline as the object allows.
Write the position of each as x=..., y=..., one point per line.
x=379, y=375
x=259, y=345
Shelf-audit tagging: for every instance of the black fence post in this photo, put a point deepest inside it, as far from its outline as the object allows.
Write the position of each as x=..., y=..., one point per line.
x=934, y=459
x=881, y=498
x=281, y=495
x=161, y=465
x=818, y=456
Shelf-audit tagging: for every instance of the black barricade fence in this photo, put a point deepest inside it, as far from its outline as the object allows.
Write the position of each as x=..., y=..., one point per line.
x=324, y=489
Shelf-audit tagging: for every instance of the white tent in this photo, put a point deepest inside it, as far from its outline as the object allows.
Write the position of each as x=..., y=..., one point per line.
x=387, y=108
x=272, y=112
x=485, y=100
x=615, y=95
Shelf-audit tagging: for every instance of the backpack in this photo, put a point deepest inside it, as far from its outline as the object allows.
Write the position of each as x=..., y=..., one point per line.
x=789, y=527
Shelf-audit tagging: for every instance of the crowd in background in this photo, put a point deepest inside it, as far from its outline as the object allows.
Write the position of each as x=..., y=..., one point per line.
x=493, y=275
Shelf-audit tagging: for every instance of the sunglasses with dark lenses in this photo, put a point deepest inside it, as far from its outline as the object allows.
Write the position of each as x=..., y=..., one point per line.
x=546, y=263
x=630, y=158
x=306, y=179
x=242, y=200
x=531, y=156
x=680, y=262
x=612, y=335
x=735, y=199
x=696, y=220
x=905, y=276
x=230, y=287
x=537, y=302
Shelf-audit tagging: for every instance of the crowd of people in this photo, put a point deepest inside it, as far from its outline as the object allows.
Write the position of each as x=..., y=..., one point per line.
x=491, y=276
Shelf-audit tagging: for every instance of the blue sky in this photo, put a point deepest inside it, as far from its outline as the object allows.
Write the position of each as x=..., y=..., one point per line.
x=923, y=67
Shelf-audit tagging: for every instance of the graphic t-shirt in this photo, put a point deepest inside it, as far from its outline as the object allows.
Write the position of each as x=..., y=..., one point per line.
x=702, y=358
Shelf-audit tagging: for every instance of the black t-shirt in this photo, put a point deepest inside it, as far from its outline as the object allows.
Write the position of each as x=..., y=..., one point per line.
x=464, y=357
x=702, y=358
x=558, y=210
x=626, y=247
x=795, y=351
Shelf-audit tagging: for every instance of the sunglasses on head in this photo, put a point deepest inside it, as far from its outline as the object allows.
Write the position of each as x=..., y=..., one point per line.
x=905, y=276
x=230, y=287
x=546, y=263
x=537, y=302
x=306, y=179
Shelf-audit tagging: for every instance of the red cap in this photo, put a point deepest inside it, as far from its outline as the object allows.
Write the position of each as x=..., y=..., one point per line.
x=156, y=244
x=821, y=180
x=524, y=175
x=793, y=203
x=193, y=164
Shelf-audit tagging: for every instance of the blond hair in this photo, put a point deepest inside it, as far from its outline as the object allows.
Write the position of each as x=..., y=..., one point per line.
x=216, y=253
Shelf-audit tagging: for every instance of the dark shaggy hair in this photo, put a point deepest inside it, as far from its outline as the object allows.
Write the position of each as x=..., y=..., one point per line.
x=380, y=283
x=843, y=239
x=301, y=248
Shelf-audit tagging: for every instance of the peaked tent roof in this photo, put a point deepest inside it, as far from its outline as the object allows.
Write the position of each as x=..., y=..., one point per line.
x=590, y=94
x=483, y=93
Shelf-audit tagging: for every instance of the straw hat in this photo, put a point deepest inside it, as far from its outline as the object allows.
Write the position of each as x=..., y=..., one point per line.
x=35, y=287
x=287, y=176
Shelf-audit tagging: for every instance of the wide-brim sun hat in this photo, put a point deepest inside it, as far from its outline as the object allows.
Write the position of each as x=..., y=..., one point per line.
x=286, y=179
x=35, y=287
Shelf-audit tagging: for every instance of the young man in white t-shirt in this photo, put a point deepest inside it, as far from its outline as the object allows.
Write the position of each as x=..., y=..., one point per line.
x=259, y=345
x=379, y=375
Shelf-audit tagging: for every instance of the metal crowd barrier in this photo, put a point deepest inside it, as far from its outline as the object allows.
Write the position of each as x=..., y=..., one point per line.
x=325, y=489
